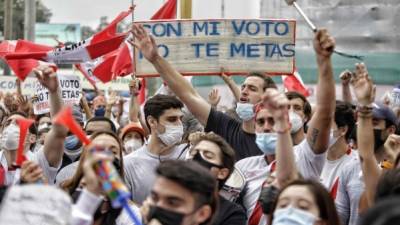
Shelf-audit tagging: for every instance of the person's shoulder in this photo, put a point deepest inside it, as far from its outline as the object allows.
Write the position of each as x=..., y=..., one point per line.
x=251, y=162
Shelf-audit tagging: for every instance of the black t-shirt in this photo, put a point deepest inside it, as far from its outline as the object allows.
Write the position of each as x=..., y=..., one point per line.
x=229, y=213
x=231, y=130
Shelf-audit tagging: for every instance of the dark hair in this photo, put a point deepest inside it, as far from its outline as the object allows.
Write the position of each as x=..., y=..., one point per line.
x=227, y=152
x=306, y=105
x=101, y=118
x=268, y=82
x=388, y=185
x=195, y=178
x=156, y=105
x=385, y=212
x=325, y=204
x=344, y=116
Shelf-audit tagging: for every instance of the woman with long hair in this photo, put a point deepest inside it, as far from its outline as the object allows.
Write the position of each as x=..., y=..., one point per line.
x=304, y=202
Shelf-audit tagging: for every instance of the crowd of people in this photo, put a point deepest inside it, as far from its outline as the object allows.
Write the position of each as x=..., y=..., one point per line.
x=272, y=160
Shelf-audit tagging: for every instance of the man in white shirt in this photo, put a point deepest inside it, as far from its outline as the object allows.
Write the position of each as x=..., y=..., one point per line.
x=164, y=118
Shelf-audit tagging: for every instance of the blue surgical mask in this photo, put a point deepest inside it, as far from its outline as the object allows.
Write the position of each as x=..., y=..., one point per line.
x=293, y=216
x=72, y=143
x=100, y=112
x=245, y=111
x=266, y=142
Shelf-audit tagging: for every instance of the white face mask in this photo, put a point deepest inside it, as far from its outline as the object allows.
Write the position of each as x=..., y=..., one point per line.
x=132, y=145
x=172, y=135
x=296, y=121
x=293, y=216
x=245, y=111
x=332, y=139
x=10, y=137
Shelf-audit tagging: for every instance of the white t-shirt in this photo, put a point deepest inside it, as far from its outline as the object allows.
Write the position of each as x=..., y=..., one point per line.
x=139, y=167
x=330, y=176
x=255, y=170
x=39, y=157
x=351, y=187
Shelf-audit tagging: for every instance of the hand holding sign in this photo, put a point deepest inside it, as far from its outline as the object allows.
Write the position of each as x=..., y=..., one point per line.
x=145, y=43
x=47, y=78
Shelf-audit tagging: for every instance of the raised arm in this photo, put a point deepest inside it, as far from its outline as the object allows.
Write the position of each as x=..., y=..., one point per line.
x=176, y=82
x=320, y=123
x=110, y=102
x=365, y=95
x=134, y=107
x=277, y=104
x=54, y=142
x=231, y=84
x=85, y=106
x=345, y=77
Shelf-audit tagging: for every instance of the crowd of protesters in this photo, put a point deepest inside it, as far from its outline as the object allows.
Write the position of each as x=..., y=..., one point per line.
x=272, y=160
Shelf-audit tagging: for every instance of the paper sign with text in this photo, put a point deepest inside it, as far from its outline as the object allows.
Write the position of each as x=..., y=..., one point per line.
x=202, y=47
x=70, y=90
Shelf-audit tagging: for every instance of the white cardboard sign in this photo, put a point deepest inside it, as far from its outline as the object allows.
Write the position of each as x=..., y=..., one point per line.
x=202, y=47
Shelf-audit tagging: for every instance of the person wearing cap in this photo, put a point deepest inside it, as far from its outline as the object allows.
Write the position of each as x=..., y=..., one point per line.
x=375, y=122
x=132, y=136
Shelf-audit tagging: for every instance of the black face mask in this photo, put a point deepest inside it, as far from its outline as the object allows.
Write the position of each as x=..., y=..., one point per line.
x=378, y=139
x=199, y=159
x=164, y=216
x=267, y=198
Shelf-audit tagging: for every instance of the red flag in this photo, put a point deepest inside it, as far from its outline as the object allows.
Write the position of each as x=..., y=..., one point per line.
x=167, y=11
x=23, y=67
x=99, y=44
x=6, y=47
x=295, y=83
x=103, y=70
x=65, y=118
x=105, y=64
x=122, y=65
x=24, y=125
x=110, y=30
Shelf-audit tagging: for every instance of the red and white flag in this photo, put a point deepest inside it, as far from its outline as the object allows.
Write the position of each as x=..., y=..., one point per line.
x=21, y=67
x=101, y=67
x=167, y=11
x=100, y=44
x=295, y=83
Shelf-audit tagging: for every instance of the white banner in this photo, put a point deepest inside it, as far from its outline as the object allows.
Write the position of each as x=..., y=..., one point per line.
x=7, y=84
x=70, y=89
x=202, y=47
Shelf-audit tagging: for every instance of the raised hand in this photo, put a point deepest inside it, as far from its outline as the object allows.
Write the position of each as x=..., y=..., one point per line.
x=392, y=146
x=47, y=78
x=24, y=104
x=277, y=103
x=144, y=42
x=134, y=86
x=323, y=43
x=363, y=87
x=112, y=98
x=214, y=98
x=345, y=77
